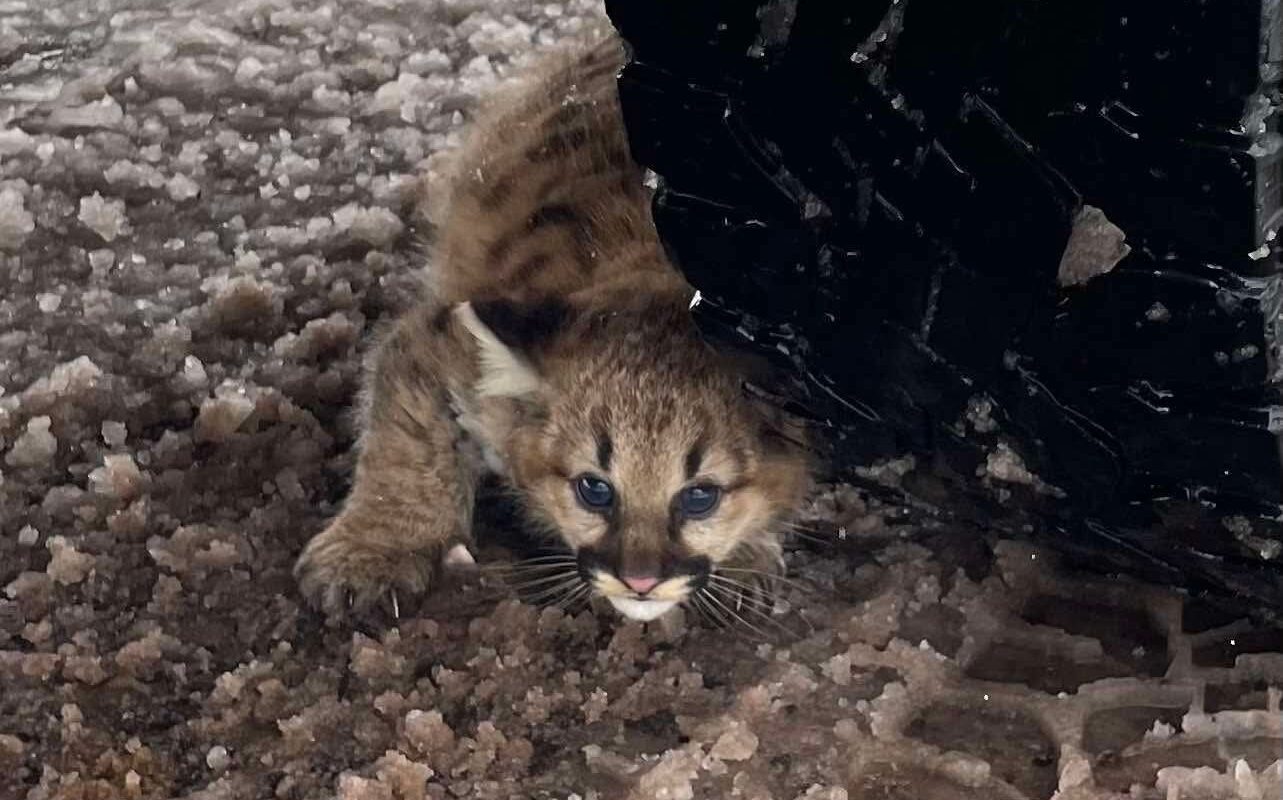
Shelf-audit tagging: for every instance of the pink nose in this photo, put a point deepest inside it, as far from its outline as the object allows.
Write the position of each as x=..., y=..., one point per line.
x=641, y=585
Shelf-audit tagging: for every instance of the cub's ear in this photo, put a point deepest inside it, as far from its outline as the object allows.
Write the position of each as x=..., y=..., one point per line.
x=512, y=336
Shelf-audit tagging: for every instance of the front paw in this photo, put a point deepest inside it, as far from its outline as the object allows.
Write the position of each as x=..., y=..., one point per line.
x=340, y=571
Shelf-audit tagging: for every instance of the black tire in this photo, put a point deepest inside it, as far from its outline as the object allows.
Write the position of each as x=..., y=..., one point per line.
x=880, y=197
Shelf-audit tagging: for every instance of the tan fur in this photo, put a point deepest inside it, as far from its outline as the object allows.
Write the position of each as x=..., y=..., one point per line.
x=557, y=333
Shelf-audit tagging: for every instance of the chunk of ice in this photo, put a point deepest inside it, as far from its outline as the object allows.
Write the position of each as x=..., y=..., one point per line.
x=68, y=565
x=15, y=141
x=118, y=477
x=114, y=433
x=104, y=217
x=16, y=223
x=104, y=113
x=34, y=448
x=375, y=226
x=181, y=187
x=220, y=416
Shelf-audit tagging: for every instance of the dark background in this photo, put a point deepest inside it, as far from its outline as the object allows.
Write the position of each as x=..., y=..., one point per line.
x=877, y=197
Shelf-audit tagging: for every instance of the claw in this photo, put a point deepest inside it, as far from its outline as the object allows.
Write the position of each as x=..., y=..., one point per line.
x=396, y=607
x=458, y=556
x=351, y=599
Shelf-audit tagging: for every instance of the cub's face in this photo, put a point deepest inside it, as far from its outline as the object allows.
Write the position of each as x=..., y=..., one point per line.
x=656, y=483
x=641, y=456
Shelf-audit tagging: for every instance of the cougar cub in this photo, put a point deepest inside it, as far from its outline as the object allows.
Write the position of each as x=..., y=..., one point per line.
x=557, y=350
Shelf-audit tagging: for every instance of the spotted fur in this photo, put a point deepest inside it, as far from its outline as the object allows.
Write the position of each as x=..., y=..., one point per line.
x=556, y=343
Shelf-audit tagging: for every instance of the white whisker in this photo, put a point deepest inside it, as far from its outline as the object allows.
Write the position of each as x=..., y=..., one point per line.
x=572, y=598
x=769, y=576
x=551, y=592
x=531, y=563
x=759, y=608
x=733, y=615
x=756, y=595
x=707, y=610
x=562, y=575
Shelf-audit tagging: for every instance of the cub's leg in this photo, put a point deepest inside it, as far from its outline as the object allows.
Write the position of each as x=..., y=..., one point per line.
x=413, y=489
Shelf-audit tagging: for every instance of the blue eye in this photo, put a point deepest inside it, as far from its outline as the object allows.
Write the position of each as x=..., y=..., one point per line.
x=699, y=501
x=594, y=493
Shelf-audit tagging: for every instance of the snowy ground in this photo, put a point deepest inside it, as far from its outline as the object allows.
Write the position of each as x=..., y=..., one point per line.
x=202, y=212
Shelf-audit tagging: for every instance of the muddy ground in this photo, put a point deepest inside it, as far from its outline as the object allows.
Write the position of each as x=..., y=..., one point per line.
x=202, y=213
